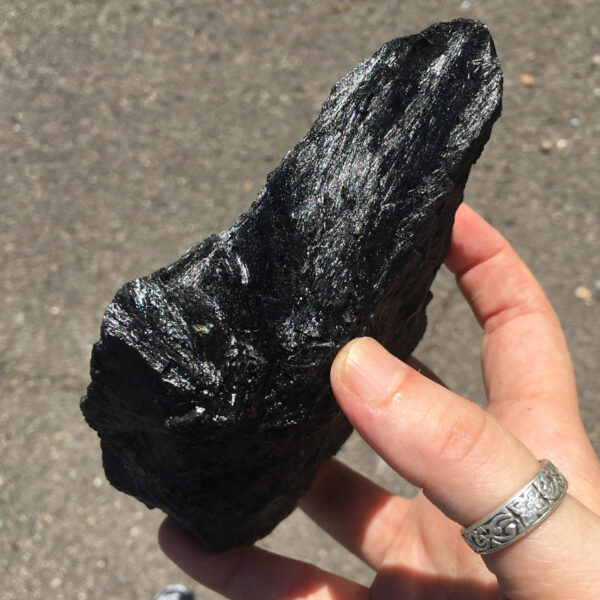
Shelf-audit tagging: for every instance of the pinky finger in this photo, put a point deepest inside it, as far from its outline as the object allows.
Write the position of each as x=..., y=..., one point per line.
x=251, y=573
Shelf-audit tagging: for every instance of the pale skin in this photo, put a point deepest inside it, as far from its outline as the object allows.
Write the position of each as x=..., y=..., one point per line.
x=466, y=460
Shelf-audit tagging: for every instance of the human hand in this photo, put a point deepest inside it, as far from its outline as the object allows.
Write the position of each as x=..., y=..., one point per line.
x=466, y=460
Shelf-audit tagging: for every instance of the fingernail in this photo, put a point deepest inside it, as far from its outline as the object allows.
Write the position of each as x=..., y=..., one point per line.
x=370, y=371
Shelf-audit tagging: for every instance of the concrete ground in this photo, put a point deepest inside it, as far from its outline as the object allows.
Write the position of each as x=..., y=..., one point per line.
x=132, y=129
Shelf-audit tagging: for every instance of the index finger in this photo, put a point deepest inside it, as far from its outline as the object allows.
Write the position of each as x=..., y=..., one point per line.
x=527, y=370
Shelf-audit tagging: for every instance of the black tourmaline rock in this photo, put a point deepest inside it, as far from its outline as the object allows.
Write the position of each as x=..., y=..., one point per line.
x=210, y=382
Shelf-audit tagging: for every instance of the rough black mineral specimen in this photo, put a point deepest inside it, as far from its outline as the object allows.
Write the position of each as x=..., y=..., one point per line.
x=210, y=382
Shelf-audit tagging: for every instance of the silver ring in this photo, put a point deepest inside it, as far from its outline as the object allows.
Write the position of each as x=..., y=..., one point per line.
x=519, y=515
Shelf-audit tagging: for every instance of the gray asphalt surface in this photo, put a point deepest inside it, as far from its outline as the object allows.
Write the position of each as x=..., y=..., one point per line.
x=130, y=130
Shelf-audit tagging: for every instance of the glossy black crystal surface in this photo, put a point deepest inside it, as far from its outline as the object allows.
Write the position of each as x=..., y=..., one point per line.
x=210, y=382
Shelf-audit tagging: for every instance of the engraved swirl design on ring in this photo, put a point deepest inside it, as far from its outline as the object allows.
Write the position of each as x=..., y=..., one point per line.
x=529, y=507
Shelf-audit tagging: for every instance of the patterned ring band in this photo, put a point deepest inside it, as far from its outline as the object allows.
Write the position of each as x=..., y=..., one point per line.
x=519, y=515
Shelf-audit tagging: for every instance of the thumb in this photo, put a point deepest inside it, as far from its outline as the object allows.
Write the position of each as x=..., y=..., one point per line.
x=465, y=461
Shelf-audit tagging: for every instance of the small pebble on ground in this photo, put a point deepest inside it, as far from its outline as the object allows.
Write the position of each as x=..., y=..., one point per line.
x=584, y=294
x=527, y=80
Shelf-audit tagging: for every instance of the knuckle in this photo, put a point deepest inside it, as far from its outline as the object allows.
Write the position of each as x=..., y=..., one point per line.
x=408, y=381
x=460, y=436
x=237, y=577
